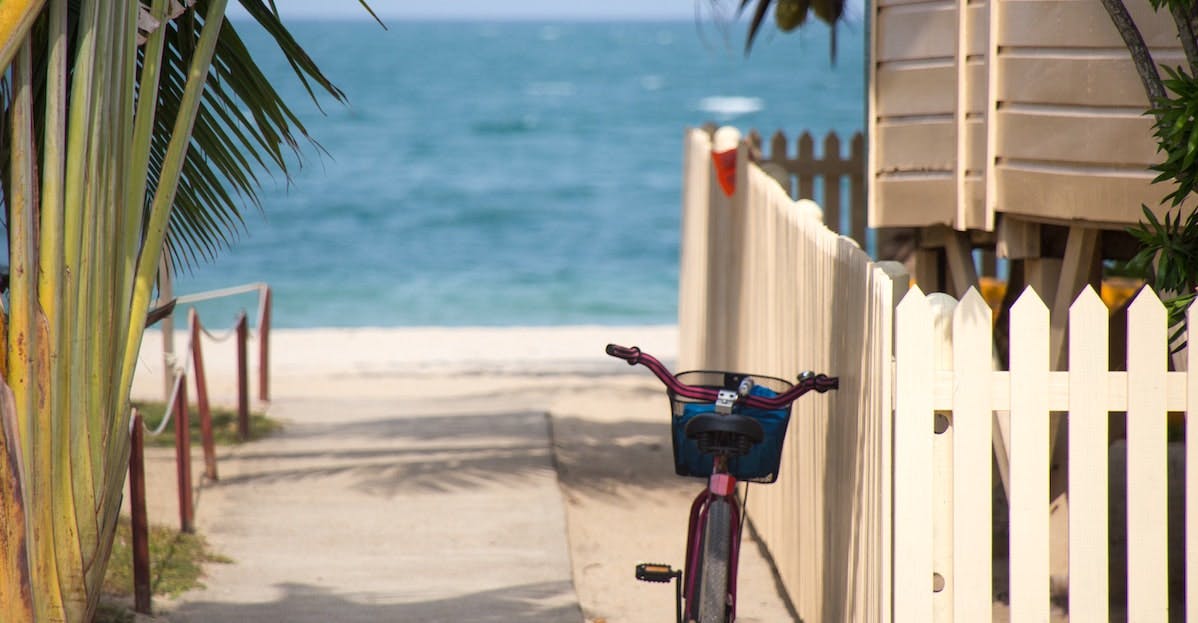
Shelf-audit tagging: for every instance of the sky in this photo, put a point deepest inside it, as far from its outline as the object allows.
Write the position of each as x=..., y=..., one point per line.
x=497, y=9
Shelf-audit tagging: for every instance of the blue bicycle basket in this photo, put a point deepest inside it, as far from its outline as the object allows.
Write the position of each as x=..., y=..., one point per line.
x=761, y=463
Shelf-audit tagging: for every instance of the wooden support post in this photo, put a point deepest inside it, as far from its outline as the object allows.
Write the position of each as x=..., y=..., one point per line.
x=989, y=267
x=243, y=401
x=1081, y=254
x=183, y=458
x=137, y=511
x=926, y=269
x=264, y=346
x=959, y=255
x=206, y=436
x=1043, y=274
x=1017, y=239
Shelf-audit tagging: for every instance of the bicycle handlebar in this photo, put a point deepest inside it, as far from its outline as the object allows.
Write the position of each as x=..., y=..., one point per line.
x=633, y=355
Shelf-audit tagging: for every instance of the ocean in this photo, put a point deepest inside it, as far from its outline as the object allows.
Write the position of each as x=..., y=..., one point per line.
x=508, y=174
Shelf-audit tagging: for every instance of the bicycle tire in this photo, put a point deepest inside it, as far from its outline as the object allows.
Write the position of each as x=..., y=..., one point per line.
x=713, y=570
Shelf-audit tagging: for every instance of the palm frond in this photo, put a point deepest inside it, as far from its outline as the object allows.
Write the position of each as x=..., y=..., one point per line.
x=243, y=129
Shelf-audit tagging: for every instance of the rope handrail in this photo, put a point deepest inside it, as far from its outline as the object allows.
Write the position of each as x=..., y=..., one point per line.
x=181, y=372
x=228, y=333
x=215, y=294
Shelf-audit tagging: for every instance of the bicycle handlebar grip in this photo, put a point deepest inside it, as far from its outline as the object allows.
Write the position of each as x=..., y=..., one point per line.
x=824, y=383
x=819, y=382
x=631, y=355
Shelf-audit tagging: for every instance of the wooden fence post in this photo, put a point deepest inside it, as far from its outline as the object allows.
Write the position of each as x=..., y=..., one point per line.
x=137, y=510
x=183, y=457
x=264, y=345
x=197, y=357
x=243, y=401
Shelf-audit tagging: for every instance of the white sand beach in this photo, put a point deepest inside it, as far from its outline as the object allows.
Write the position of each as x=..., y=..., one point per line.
x=415, y=432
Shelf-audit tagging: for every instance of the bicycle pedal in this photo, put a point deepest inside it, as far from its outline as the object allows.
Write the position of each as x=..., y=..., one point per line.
x=650, y=572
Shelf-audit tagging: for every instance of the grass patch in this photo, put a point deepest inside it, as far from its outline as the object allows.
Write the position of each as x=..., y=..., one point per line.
x=176, y=561
x=112, y=612
x=224, y=424
x=176, y=566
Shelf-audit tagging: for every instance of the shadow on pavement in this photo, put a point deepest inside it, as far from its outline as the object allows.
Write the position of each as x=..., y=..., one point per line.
x=603, y=457
x=390, y=456
x=546, y=602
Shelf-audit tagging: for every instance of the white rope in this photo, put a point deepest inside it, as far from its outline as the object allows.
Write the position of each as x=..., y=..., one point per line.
x=215, y=294
x=181, y=371
x=219, y=338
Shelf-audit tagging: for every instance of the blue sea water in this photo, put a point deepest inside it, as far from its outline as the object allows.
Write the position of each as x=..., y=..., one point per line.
x=509, y=173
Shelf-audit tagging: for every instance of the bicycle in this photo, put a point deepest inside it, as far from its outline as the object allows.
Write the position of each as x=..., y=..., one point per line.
x=726, y=427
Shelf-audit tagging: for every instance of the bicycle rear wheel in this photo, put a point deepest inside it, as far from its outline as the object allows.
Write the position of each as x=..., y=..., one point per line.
x=713, y=572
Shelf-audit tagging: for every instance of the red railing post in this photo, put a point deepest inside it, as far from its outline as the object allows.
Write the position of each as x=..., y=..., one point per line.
x=197, y=357
x=183, y=457
x=264, y=345
x=243, y=399
x=137, y=510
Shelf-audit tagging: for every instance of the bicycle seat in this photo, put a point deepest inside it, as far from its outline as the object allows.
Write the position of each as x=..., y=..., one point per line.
x=724, y=434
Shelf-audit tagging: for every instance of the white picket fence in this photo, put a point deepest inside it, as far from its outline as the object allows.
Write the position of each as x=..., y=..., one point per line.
x=942, y=481
x=876, y=516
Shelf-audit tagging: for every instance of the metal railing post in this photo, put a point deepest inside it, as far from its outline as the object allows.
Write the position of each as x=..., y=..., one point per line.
x=139, y=522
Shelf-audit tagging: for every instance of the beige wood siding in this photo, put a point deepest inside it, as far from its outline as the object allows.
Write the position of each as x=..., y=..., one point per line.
x=1061, y=107
x=927, y=99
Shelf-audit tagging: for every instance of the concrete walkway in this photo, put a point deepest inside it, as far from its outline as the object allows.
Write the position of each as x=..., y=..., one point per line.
x=407, y=488
x=401, y=507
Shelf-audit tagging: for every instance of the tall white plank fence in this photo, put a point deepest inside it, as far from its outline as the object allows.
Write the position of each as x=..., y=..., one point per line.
x=883, y=510
x=767, y=289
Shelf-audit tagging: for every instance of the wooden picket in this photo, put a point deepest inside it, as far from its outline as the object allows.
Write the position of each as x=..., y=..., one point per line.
x=1029, y=459
x=1088, y=503
x=972, y=428
x=912, y=461
x=1147, y=545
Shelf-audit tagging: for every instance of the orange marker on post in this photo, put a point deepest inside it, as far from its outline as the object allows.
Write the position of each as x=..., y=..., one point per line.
x=723, y=154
